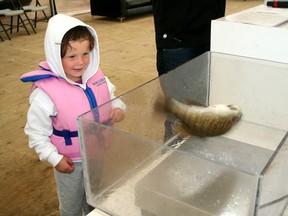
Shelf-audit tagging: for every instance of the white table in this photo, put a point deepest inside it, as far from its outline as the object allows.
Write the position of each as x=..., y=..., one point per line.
x=251, y=33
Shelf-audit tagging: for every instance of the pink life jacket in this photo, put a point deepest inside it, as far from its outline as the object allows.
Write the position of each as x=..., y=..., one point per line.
x=70, y=101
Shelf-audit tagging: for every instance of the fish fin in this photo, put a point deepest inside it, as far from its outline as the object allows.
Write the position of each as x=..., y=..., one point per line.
x=159, y=105
x=181, y=130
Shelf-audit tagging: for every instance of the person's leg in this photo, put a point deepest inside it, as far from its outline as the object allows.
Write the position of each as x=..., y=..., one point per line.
x=86, y=207
x=167, y=60
x=71, y=192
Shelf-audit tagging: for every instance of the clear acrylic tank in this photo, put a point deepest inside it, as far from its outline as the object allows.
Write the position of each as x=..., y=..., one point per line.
x=143, y=165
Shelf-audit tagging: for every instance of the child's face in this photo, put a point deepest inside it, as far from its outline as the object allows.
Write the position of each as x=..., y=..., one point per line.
x=76, y=59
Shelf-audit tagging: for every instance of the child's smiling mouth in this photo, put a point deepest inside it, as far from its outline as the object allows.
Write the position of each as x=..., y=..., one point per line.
x=78, y=70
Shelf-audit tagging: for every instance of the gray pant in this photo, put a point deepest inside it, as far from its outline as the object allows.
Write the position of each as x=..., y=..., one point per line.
x=71, y=192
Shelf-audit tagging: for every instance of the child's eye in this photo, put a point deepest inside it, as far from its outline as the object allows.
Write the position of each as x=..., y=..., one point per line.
x=86, y=53
x=71, y=57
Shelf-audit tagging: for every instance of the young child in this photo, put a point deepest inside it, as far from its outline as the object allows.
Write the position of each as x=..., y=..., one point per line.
x=69, y=83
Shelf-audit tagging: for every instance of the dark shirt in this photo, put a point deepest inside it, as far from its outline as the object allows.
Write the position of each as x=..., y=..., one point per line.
x=185, y=23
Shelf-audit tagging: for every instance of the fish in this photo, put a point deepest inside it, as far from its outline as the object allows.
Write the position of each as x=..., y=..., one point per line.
x=204, y=121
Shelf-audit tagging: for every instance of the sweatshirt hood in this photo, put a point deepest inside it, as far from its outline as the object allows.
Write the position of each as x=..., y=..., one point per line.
x=57, y=27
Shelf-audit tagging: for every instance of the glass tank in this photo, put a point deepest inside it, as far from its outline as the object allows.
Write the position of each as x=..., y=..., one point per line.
x=149, y=164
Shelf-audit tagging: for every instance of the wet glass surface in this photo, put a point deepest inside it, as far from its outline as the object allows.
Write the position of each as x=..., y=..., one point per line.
x=149, y=165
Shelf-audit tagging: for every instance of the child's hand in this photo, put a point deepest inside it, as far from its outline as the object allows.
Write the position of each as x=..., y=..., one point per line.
x=116, y=115
x=65, y=165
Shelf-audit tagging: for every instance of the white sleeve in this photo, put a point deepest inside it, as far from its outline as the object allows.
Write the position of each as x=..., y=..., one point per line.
x=39, y=126
x=116, y=102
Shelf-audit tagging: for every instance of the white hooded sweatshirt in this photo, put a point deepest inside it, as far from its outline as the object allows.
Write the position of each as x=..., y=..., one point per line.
x=39, y=123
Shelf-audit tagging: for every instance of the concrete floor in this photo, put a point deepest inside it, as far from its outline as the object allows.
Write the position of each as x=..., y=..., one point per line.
x=127, y=57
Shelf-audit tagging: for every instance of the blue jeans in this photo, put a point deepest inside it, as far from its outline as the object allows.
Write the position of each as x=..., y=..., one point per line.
x=169, y=59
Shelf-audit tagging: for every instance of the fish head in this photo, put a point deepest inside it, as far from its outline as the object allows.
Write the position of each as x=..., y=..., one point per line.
x=235, y=111
x=230, y=111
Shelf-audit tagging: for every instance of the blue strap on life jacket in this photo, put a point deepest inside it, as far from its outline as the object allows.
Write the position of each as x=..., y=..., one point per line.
x=66, y=134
